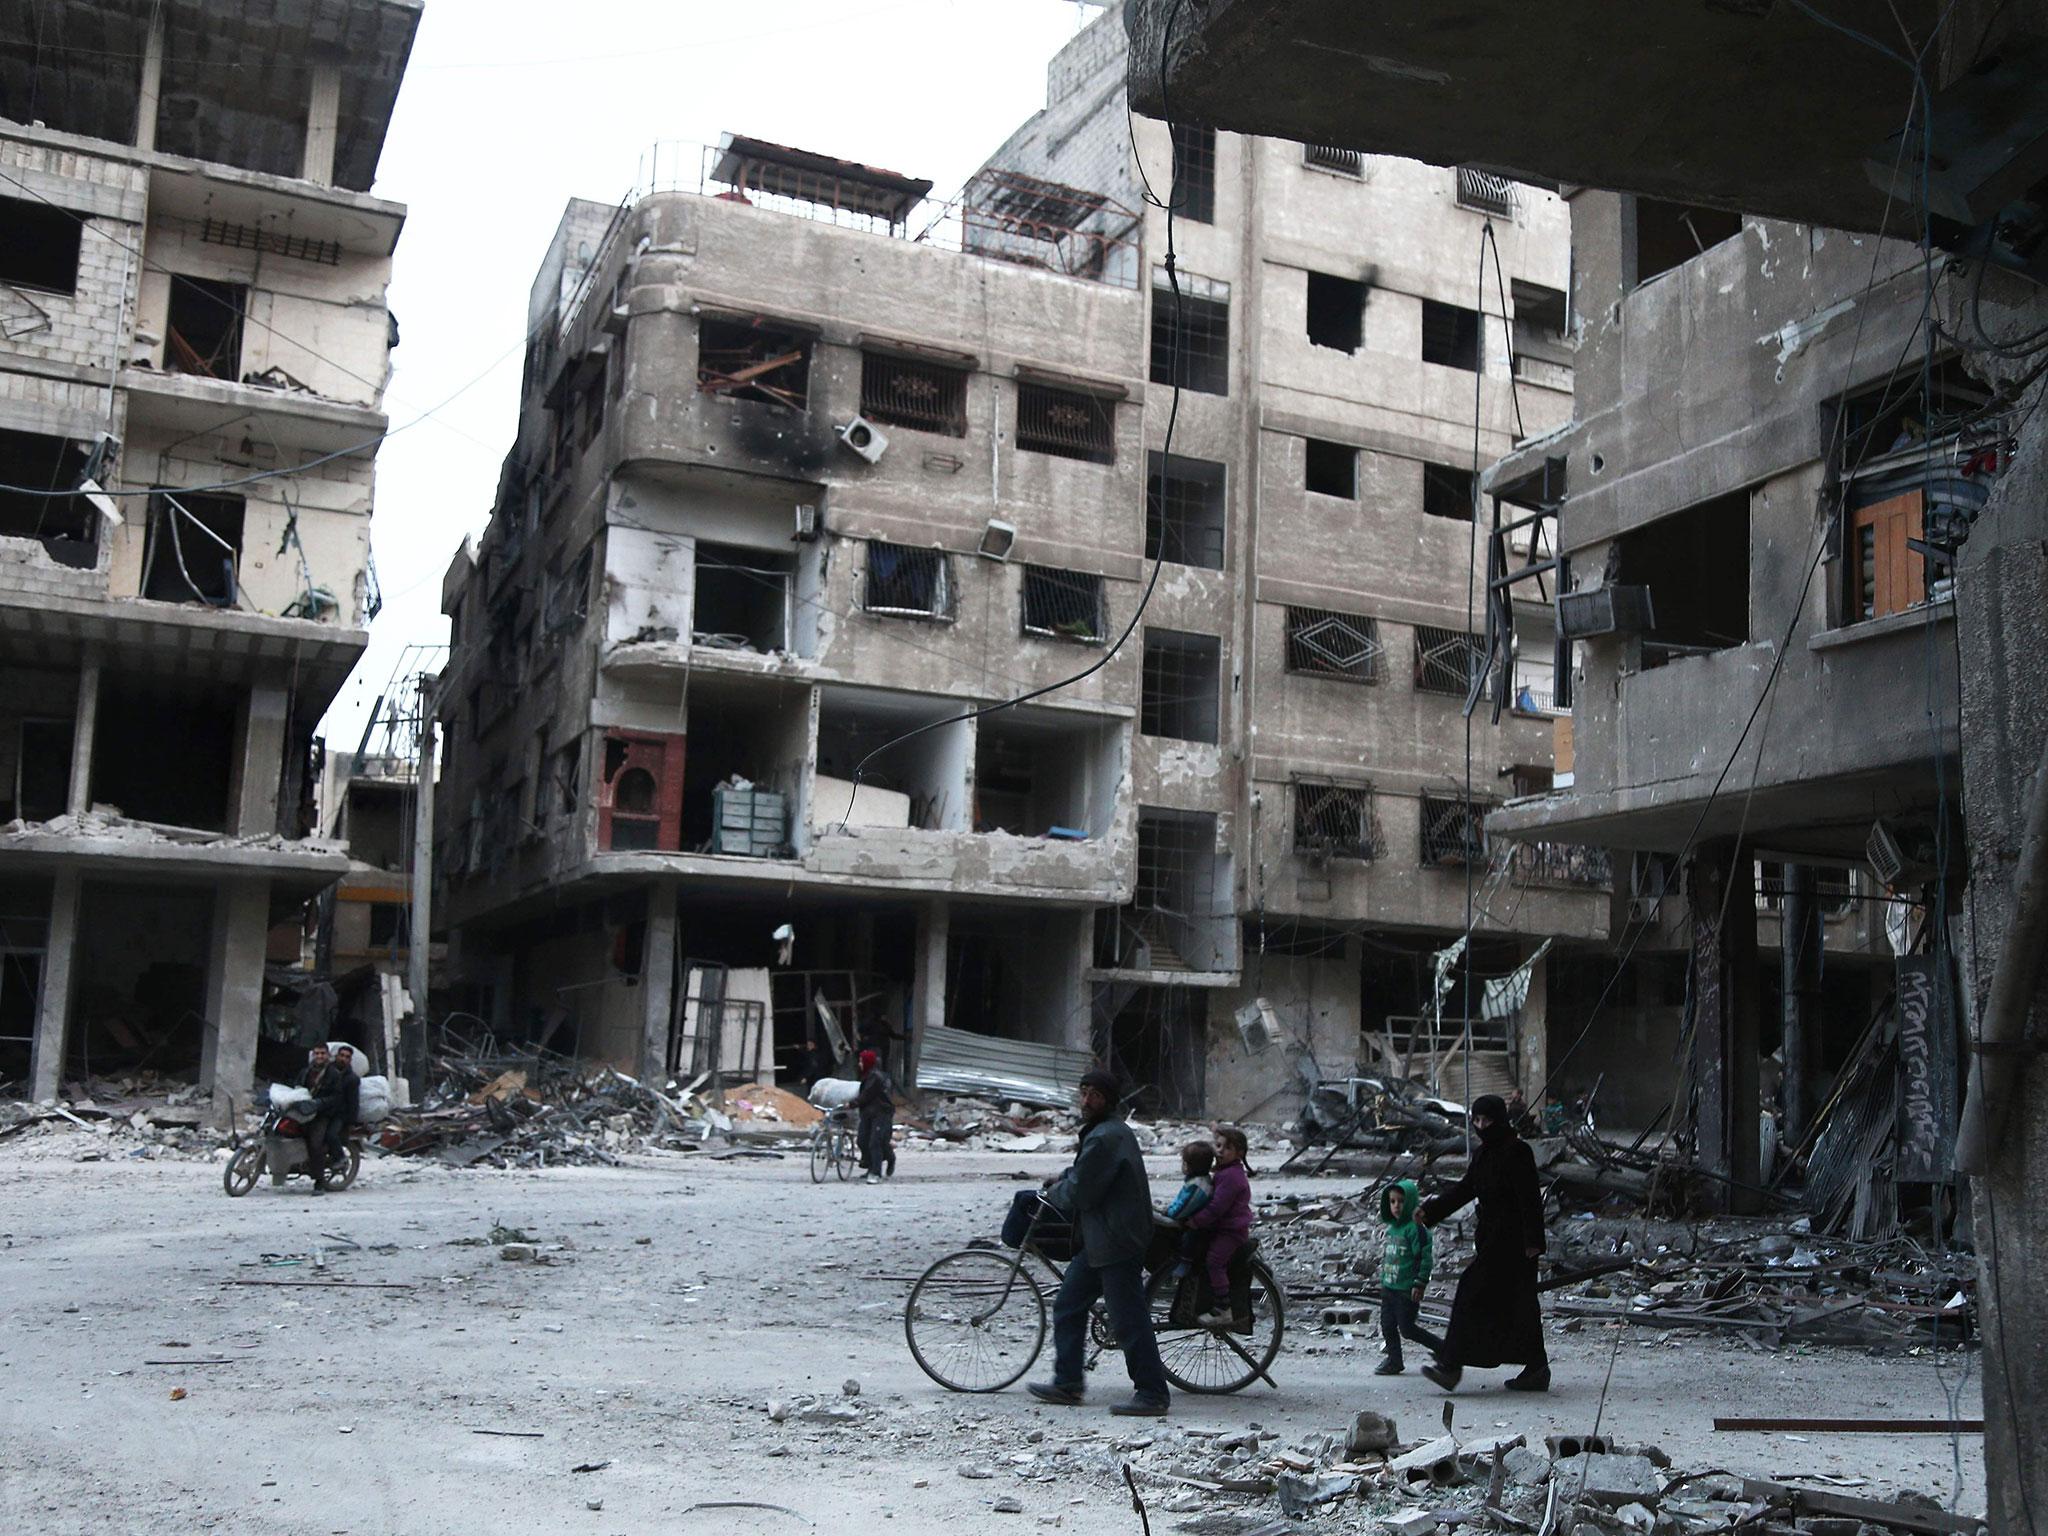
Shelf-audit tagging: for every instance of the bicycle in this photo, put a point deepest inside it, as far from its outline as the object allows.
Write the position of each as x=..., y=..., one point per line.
x=832, y=1146
x=976, y=1319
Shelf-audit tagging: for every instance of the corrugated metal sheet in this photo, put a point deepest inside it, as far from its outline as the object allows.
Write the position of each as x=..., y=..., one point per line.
x=960, y=1061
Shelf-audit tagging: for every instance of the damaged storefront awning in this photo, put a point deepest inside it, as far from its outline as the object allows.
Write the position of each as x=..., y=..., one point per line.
x=959, y=1061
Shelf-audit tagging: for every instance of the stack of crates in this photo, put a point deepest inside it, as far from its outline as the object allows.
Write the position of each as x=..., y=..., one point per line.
x=749, y=821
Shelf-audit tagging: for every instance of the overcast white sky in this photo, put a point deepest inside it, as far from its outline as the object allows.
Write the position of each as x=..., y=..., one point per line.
x=511, y=107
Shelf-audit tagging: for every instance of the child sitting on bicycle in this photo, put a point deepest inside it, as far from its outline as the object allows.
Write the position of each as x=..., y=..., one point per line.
x=1227, y=1219
x=1196, y=1159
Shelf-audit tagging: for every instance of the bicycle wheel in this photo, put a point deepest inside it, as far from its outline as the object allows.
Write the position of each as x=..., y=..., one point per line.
x=975, y=1320
x=1208, y=1360
x=822, y=1155
x=843, y=1156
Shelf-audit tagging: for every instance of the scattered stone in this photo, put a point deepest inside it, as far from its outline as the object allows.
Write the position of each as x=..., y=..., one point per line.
x=1609, y=1479
x=850, y=1387
x=1370, y=1432
x=1411, y=1522
x=518, y=1252
x=1008, y=1504
x=1526, y=1468
x=1301, y=1492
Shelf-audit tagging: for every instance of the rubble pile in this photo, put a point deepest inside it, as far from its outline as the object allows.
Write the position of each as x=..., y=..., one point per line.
x=990, y=1125
x=1244, y=1480
x=143, y=1115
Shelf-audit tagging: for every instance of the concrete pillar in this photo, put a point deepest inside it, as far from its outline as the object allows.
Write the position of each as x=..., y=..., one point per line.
x=150, y=95
x=254, y=802
x=83, y=723
x=928, y=990
x=658, y=982
x=323, y=122
x=420, y=914
x=1533, y=1035
x=1802, y=941
x=1724, y=961
x=53, y=999
x=234, y=994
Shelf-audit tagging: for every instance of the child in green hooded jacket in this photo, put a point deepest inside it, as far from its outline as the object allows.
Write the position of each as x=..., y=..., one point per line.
x=1404, y=1271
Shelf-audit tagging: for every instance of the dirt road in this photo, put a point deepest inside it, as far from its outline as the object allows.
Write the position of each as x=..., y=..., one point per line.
x=678, y=1297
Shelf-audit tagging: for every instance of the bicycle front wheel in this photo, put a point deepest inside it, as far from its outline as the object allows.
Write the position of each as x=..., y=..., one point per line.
x=821, y=1153
x=1210, y=1360
x=975, y=1321
x=843, y=1155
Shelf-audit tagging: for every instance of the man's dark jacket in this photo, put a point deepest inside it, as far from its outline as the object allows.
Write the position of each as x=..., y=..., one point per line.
x=1106, y=1194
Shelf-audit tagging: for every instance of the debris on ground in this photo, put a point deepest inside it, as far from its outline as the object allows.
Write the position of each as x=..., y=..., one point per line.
x=141, y=1115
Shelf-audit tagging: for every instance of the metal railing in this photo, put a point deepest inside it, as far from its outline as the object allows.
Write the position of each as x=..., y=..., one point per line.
x=1561, y=864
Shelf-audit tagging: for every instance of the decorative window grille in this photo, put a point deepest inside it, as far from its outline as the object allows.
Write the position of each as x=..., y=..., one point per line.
x=1066, y=422
x=1346, y=162
x=1064, y=605
x=1448, y=661
x=1334, y=821
x=1484, y=192
x=908, y=582
x=1453, y=832
x=927, y=397
x=1323, y=643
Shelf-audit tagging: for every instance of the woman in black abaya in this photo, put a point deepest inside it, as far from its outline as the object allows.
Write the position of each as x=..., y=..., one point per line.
x=1494, y=1320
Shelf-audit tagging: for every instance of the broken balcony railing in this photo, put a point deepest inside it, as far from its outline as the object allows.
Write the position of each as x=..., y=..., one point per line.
x=1561, y=864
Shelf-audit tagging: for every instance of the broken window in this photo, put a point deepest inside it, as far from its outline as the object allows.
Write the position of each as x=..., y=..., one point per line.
x=1885, y=573
x=1184, y=511
x=203, y=328
x=42, y=769
x=640, y=797
x=1336, y=312
x=908, y=582
x=1046, y=773
x=1328, y=157
x=1484, y=192
x=568, y=600
x=1450, y=335
x=1066, y=422
x=1178, y=918
x=193, y=549
x=753, y=360
x=67, y=525
x=1447, y=492
x=1696, y=565
x=742, y=598
x=1329, y=469
x=1453, y=831
x=928, y=397
x=1668, y=235
x=1448, y=661
x=164, y=750
x=1334, y=821
x=1542, y=316
x=1191, y=337
x=39, y=246
x=1194, y=172
x=1064, y=605
x=1322, y=643
x=1181, y=684
x=566, y=778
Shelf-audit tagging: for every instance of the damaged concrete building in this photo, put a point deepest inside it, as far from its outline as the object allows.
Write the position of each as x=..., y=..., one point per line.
x=809, y=464
x=193, y=353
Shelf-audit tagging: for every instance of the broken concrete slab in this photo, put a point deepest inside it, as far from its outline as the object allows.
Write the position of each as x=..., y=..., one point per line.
x=1608, y=1479
x=1371, y=1432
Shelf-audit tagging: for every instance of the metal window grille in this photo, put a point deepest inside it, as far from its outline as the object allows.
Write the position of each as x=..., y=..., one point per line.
x=1194, y=173
x=1486, y=193
x=1453, y=831
x=1562, y=864
x=908, y=582
x=1063, y=605
x=928, y=397
x=1184, y=512
x=1329, y=157
x=1335, y=821
x=1066, y=422
x=242, y=237
x=1179, y=688
x=1447, y=492
x=753, y=360
x=1324, y=643
x=1448, y=661
x=1450, y=335
x=1191, y=342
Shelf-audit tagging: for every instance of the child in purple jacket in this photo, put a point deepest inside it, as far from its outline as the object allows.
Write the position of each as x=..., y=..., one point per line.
x=1227, y=1218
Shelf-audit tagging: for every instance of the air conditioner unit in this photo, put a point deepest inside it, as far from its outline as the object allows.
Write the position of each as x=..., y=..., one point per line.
x=809, y=524
x=1258, y=1027
x=1893, y=863
x=1605, y=611
x=996, y=540
x=862, y=437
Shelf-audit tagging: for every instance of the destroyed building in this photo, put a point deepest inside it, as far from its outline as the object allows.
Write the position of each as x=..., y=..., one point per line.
x=809, y=463
x=194, y=346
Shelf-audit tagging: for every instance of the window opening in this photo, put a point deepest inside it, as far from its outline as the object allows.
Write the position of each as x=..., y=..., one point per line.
x=1328, y=157
x=1065, y=605
x=165, y=750
x=1175, y=920
x=1330, y=469
x=1448, y=661
x=1334, y=821
x=1484, y=192
x=203, y=328
x=928, y=397
x=1336, y=312
x=908, y=582
x=1066, y=422
x=742, y=598
x=1181, y=684
x=42, y=770
x=67, y=525
x=1453, y=831
x=1323, y=643
x=1668, y=235
x=1194, y=173
x=1184, y=512
x=194, y=548
x=1696, y=565
x=1447, y=492
x=1199, y=349
x=39, y=246
x=753, y=360
x=1450, y=335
